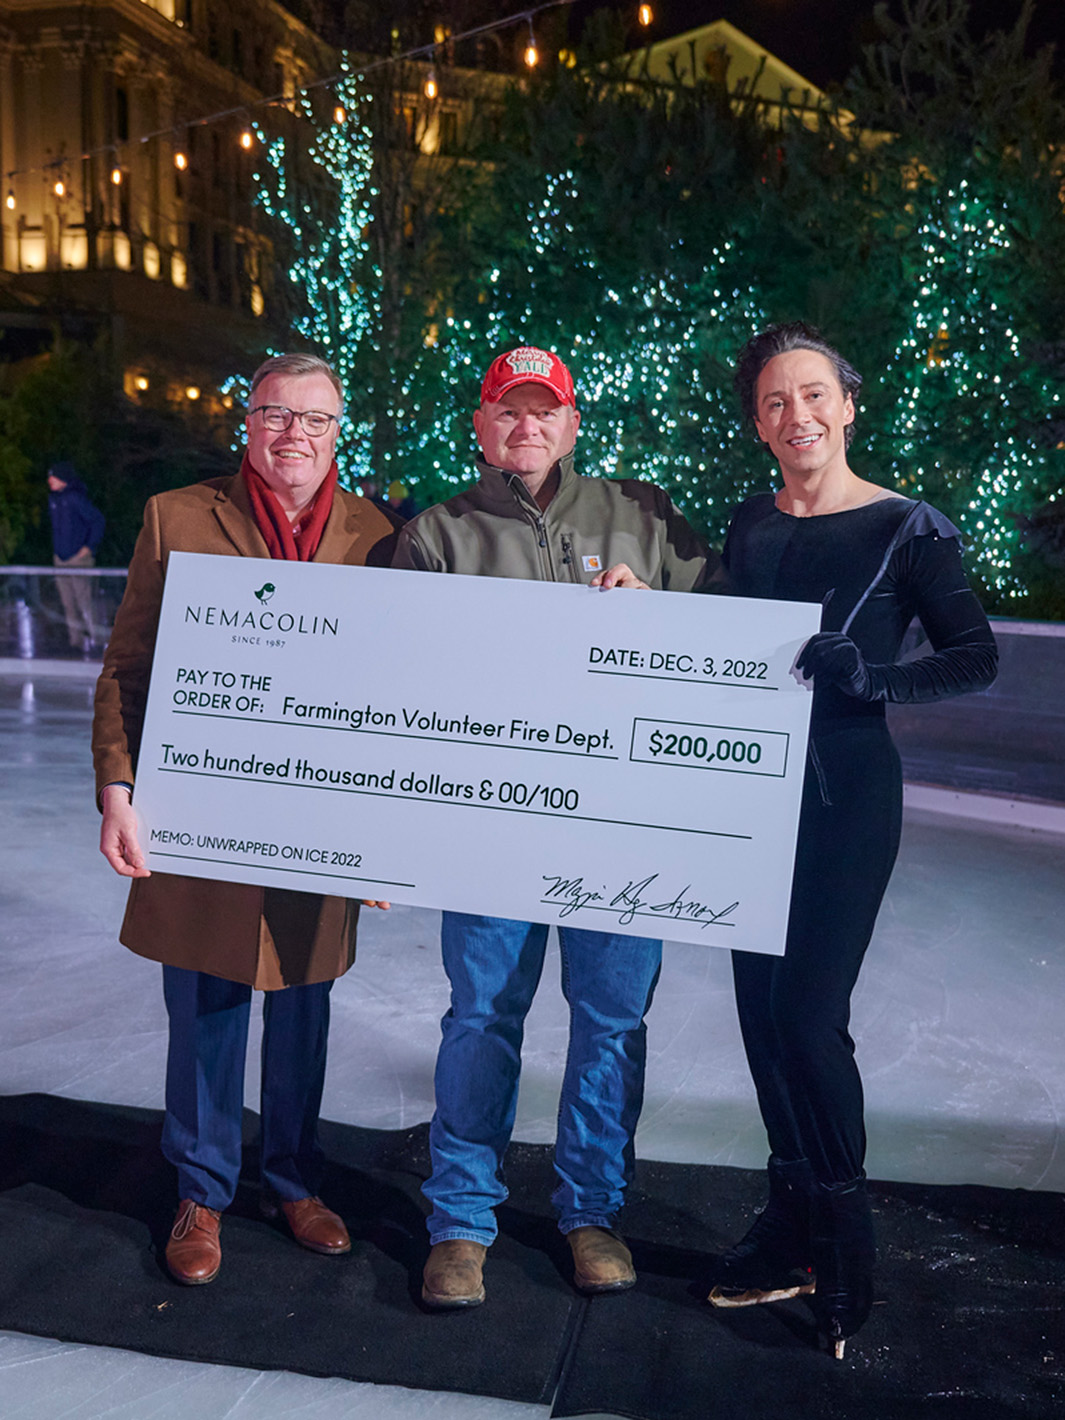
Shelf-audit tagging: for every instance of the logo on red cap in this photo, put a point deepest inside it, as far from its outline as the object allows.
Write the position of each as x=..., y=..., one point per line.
x=527, y=366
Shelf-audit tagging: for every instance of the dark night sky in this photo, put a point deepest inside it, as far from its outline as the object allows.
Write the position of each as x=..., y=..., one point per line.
x=822, y=38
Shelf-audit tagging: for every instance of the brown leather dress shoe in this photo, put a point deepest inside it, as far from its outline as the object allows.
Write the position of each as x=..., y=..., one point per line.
x=194, y=1253
x=602, y=1262
x=454, y=1274
x=315, y=1226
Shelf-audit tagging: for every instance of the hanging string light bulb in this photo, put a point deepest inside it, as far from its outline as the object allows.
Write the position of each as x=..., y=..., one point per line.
x=531, y=51
x=59, y=187
x=442, y=35
x=9, y=201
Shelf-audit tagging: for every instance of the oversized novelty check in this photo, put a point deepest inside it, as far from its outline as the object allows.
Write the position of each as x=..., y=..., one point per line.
x=622, y=761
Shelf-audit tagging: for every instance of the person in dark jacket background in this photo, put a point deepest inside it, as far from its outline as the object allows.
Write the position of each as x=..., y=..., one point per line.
x=400, y=501
x=77, y=527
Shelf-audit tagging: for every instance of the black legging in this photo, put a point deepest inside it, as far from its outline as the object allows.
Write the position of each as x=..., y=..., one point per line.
x=795, y=1010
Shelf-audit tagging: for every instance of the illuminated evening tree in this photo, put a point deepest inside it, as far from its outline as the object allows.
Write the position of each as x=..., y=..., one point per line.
x=969, y=412
x=651, y=352
x=645, y=229
x=976, y=410
x=359, y=193
x=612, y=233
x=411, y=266
x=314, y=184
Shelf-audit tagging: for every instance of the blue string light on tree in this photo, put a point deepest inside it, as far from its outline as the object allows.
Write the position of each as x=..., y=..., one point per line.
x=973, y=406
x=320, y=223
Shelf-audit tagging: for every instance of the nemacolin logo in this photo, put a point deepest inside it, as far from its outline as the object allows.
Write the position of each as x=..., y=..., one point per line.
x=285, y=621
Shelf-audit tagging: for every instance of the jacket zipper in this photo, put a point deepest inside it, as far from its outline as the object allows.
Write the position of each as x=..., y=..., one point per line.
x=538, y=518
x=545, y=548
x=569, y=558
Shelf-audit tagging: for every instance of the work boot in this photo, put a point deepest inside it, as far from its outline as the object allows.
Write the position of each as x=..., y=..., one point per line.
x=601, y=1261
x=454, y=1274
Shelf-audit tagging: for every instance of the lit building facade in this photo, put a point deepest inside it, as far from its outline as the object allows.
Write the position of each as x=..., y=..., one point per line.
x=115, y=202
x=119, y=209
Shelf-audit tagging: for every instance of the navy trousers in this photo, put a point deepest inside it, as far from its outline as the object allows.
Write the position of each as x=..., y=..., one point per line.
x=205, y=1084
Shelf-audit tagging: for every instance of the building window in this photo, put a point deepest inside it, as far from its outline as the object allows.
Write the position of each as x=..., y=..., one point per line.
x=214, y=46
x=223, y=268
x=449, y=130
x=121, y=114
x=408, y=116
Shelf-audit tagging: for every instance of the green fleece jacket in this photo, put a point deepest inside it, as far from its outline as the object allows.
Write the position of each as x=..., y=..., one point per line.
x=495, y=529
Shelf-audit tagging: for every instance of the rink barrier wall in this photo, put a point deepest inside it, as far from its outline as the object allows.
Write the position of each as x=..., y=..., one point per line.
x=997, y=756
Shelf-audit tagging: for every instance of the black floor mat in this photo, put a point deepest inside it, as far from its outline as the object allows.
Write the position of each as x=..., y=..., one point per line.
x=86, y=1202
x=969, y=1322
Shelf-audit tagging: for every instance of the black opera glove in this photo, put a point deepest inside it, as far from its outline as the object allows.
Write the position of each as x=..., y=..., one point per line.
x=831, y=658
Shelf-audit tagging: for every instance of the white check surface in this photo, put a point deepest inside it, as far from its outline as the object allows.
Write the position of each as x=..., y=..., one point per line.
x=622, y=761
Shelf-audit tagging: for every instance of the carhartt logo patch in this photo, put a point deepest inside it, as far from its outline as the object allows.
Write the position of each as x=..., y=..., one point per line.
x=592, y=564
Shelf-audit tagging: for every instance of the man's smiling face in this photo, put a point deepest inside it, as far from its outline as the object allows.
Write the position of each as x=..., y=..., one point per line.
x=802, y=413
x=526, y=431
x=293, y=463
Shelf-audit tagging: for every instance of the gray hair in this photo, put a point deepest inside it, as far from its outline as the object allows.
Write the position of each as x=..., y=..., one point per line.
x=297, y=364
x=778, y=340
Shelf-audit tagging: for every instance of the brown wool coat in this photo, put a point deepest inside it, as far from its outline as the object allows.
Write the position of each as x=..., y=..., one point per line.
x=267, y=937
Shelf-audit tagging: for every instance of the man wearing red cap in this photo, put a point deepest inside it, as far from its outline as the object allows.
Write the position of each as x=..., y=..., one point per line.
x=532, y=515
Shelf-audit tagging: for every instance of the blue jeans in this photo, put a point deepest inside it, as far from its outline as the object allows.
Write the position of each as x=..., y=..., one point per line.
x=494, y=966
x=205, y=1084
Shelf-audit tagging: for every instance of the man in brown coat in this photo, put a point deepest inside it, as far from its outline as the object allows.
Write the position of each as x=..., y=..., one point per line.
x=217, y=941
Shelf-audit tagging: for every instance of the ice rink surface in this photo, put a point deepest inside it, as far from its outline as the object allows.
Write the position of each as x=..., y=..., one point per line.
x=957, y=1018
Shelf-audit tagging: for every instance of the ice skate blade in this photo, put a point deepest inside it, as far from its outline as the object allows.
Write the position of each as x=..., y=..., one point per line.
x=753, y=1297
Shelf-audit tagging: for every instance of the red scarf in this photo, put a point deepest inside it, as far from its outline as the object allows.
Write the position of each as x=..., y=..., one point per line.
x=272, y=520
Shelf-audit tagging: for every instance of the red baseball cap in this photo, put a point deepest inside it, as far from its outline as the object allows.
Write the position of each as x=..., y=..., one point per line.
x=527, y=366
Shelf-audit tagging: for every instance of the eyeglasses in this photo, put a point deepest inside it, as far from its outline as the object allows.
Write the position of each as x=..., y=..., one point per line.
x=279, y=419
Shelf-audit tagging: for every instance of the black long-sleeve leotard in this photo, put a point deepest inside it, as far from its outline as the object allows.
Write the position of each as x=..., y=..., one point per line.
x=872, y=568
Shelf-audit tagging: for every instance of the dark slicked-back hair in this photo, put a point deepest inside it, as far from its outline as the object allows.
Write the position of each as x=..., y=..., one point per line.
x=778, y=340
